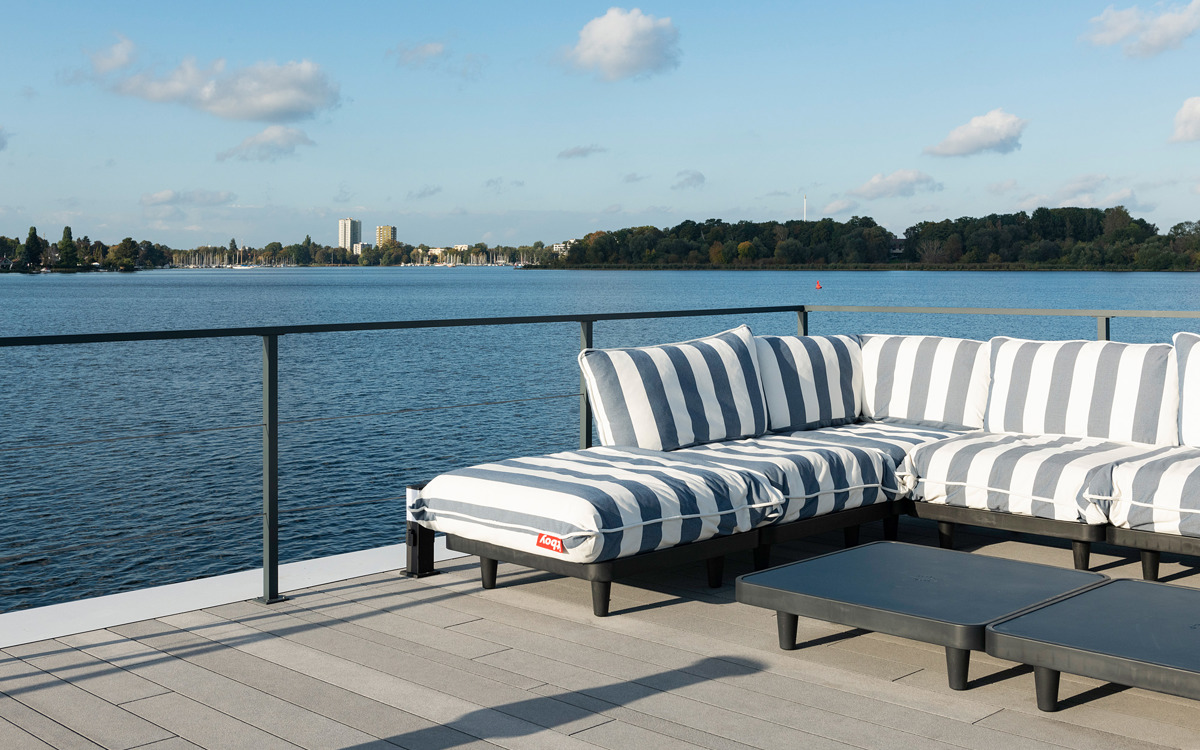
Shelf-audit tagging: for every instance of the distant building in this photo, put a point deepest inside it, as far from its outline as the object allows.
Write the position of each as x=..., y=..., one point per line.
x=358, y=247
x=561, y=248
x=349, y=233
x=384, y=234
x=462, y=248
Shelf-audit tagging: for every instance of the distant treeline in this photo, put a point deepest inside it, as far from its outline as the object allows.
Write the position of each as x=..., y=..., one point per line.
x=1067, y=238
x=1075, y=238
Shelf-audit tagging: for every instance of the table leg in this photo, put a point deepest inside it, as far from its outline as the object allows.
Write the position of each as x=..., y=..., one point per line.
x=487, y=572
x=958, y=663
x=787, y=624
x=1045, y=681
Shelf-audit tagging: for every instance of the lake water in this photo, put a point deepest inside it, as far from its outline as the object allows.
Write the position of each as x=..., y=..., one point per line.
x=131, y=465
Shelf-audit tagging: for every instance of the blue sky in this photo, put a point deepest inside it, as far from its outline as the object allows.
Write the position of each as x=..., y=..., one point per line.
x=512, y=122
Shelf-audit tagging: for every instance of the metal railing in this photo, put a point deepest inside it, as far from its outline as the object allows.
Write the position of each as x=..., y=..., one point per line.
x=270, y=366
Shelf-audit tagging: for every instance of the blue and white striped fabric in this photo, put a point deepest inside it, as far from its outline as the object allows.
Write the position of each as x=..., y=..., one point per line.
x=810, y=381
x=1160, y=493
x=596, y=504
x=815, y=478
x=929, y=380
x=1098, y=389
x=1187, y=353
x=1045, y=476
x=675, y=395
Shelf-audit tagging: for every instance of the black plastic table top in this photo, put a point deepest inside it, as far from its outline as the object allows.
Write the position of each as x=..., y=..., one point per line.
x=1156, y=623
x=924, y=582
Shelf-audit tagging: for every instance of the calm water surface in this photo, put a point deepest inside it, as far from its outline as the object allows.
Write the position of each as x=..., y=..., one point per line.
x=128, y=465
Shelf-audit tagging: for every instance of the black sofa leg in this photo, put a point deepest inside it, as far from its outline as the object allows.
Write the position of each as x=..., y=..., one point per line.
x=945, y=535
x=716, y=571
x=419, y=543
x=762, y=557
x=891, y=528
x=1082, y=552
x=487, y=572
x=1150, y=560
x=601, y=592
x=850, y=536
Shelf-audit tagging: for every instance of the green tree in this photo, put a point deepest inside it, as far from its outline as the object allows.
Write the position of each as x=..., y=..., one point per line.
x=123, y=256
x=68, y=251
x=32, y=250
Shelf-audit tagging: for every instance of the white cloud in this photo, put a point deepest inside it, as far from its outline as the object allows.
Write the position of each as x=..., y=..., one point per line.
x=996, y=131
x=840, y=206
x=1127, y=198
x=275, y=142
x=187, y=198
x=626, y=43
x=419, y=55
x=500, y=185
x=1080, y=191
x=264, y=91
x=688, y=178
x=581, y=152
x=426, y=191
x=902, y=182
x=1146, y=33
x=1187, y=121
x=118, y=56
x=1000, y=188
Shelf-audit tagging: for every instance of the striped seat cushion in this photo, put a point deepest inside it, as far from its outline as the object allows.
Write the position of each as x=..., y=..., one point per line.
x=675, y=395
x=596, y=504
x=810, y=381
x=1159, y=493
x=1187, y=354
x=930, y=380
x=1098, y=389
x=1045, y=476
x=815, y=478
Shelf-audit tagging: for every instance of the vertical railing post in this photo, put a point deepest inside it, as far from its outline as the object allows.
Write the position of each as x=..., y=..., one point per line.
x=802, y=322
x=585, y=412
x=1103, y=328
x=271, y=470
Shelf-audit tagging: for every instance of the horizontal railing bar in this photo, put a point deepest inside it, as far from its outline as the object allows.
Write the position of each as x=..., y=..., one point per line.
x=89, y=441
x=411, y=410
x=1050, y=312
x=216, y=333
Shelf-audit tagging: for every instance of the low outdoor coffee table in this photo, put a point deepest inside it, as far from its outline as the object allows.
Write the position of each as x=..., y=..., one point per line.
x=929, y=594
x=1134, y=633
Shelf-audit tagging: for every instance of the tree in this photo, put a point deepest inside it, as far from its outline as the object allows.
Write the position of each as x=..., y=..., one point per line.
x=31, y=252
x=68, y=251
x=123, y=257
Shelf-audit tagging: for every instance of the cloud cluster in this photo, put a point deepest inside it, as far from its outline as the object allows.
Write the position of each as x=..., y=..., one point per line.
x=500, y=185
x=187, y=198
x=273, y=143
x=437, y=56
x=1087, y=191
x=996, y=131
x=626, y=43
x=1187, y=121
x=839, y=206
x=426, y=191
x=1145, y=33
x=419, y=55
x=633, y=177
x=901, y=183
x=688, y=178
x=581, y=152
x=118, y=56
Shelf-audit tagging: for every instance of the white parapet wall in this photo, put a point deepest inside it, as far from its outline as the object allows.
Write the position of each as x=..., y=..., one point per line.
x=55, y=620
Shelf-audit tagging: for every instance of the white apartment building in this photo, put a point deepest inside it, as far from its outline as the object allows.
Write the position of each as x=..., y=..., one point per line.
x=349, y=233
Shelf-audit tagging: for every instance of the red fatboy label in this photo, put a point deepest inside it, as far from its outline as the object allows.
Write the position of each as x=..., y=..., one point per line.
x=552, y=543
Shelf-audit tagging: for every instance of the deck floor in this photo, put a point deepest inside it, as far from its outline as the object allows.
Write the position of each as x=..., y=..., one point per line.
x=384, y=661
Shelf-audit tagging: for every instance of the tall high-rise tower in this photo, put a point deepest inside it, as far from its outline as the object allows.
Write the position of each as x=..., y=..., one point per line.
x=349, y=233
x=383, y=234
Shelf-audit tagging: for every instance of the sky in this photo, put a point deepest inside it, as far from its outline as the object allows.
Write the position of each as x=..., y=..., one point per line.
x=506, y=123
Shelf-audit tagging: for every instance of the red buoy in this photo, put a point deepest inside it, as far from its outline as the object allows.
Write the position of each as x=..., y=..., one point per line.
x=818, y=285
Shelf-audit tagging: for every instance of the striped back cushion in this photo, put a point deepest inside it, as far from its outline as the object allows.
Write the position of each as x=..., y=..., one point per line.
x=1100, y=389
x=927, y=380
x=810, y=381
x=675, y=395
x=1188, y=354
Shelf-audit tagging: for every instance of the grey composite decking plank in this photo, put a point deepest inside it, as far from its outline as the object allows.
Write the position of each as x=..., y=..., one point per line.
x=466, y=684
x=205, y=726
x=341, y=705
x=251, y=706
x=617, y=735
x=49, y=731
x=437, y=707
x=98, y=677
x=13, y=737
x=95, y=718
x=1069, y=736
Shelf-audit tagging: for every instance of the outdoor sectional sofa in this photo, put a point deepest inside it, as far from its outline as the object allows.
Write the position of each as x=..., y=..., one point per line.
x=738, y=442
